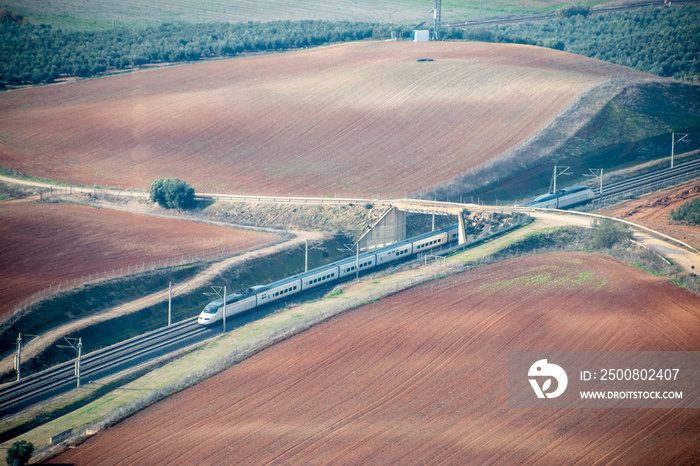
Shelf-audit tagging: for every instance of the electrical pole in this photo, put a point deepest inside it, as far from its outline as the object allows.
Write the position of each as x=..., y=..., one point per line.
x=224, y=310
x=437, y=18
x=170, y=299
x=79, y=350
x=349, y=247
x=216, y=291
x=306, y=255
x=557, y=173
x=598, y=173
x=18, y=358
x=673, y=143
x=170, y=302
x=77, y=361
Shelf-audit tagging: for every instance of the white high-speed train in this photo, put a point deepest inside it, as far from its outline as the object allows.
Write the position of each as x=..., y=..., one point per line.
x=258, y=296
x=567, y=197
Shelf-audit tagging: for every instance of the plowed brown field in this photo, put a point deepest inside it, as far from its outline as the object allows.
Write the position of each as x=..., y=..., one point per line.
x=357, y=118
x=44, y=244
x=653, y=211
x=421, y=377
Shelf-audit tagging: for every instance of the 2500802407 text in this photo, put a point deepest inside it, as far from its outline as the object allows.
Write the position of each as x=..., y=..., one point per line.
x=631, y=374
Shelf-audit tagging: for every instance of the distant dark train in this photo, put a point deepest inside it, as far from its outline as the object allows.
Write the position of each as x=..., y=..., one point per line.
x=258, y=296
x=563, y=199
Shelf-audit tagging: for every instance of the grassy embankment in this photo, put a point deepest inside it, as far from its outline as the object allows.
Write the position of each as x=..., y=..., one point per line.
x=633, y=128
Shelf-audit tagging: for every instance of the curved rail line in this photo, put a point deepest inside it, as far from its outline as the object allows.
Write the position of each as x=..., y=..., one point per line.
x=678, y=174
x=16, y=395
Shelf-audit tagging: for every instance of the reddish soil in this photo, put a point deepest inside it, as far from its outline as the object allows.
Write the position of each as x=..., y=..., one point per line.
x=44, y=244
x=653, y=212
x=360, y=118
x=421, y=377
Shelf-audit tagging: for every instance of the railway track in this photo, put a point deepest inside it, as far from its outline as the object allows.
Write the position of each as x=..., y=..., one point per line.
x=655, y=180
x=62, y=377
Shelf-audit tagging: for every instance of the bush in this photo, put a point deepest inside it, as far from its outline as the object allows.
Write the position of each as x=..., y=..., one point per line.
x=555, y=44
x=573, y=10
x=688, y=213
x=608, y=233
x=172, y=193
x=19, y=453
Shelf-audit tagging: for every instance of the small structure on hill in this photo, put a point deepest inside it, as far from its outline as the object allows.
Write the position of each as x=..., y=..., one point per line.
x=420, y=35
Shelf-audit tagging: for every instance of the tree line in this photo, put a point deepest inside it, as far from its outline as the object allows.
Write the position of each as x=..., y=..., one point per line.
x=657, y=40
x=661, y=41
x=34, y=54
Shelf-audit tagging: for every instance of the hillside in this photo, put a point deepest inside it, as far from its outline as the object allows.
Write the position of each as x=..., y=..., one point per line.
x=421, y=377
x=47, y=244
x=355, y=119
x=102, y=13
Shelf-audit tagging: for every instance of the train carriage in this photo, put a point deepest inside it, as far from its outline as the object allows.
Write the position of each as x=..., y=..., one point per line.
x=429, y=241
x=393, y=253
x=318, y=277
x=350, y=265
x=563, y=198
x=279, y=290
x=236, y=303
x=261, y=295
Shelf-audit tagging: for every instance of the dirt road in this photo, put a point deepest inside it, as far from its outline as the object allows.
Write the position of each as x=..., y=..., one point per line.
x=666, y=246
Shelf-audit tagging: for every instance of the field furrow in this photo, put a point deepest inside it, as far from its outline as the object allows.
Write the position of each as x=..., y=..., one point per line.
x=345, y=119
x=421, y=377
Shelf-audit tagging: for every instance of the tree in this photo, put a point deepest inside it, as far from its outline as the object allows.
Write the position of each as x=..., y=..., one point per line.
x=553, y=44
x=9, y=17
x=608, y=233
x=172, y=193
x=573, y=10
x=19, y=453
x=688, y=213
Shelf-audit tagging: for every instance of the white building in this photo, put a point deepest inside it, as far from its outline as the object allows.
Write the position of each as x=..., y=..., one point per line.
x=421, y=36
